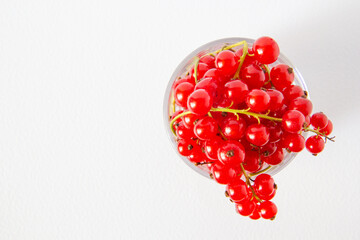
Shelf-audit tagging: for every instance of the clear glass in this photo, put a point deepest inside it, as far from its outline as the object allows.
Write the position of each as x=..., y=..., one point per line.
x=184, y=67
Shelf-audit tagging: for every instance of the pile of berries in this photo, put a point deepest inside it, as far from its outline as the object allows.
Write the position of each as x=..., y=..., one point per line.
x=236, y=111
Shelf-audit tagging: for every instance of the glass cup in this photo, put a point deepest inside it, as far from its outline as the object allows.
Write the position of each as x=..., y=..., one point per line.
x=186, y=64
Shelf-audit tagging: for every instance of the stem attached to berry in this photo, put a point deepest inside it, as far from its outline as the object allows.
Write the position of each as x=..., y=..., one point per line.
x=307, y=129
x=246, y=112
x=175, y=118
x=242, y=59
x=248, y=183
x=261, y=171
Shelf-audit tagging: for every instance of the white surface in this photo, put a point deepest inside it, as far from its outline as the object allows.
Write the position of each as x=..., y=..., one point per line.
x=84, y=154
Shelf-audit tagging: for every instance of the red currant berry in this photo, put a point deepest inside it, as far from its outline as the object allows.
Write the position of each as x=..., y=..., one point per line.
x=177, y=121
x=184, y=133
x=268, y=210
x=291, y=92
x=185, y=146
x=253, y=76
x=282, y=76
x=301, y=104
x=264, y=184
x=268, y=149
x=266, y=50
x=215, y=74
x=237, y=190
x=227, y=62
x=196, y=155
x=258, y=100
x=246, y=208
x=236, y=91
x=233, y=128
x=276, y=100
x=208, y=60
x=276, y=158
x=294, y=142
x=206, y=128
x=307, y=121
x=275, y=132
x=256, y=214
x=252, y=161
x=231, y=152
x=293, y=121
x=201, y=70
x=182, y=92
x=212, y=146
x=248, y=59
x=328, y=129
x=224, y=174
x=181, y=80
x=190, y=120
x=210, y=85
x=199, y=102
x=266, y=197
x=257, y=134
x=319, y=120
x=315, y=144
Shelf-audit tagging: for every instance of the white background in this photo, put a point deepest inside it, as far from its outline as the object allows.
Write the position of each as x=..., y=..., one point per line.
x=83, y=149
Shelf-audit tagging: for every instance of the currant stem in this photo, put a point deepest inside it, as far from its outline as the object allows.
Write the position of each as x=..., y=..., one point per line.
x=307, y=129
x=242, y=59
x=175, y=118
x=246, y=112
x=248, y=183
x=261, y=171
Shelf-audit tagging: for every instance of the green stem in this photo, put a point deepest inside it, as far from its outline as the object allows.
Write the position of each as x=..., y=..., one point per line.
x=246, y=112
x=307, y=129
x=261, y=171
x=176, y=118
x=248, y=183
x=242, y=59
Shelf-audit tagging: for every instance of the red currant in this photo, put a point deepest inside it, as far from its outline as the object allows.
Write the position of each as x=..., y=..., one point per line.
x=315, y=144
x=319, y=120
x=206, y=128
x=182, y=92
x=212, y=146
x=266, y=50
x=293, y=91
x=184, y=133
x=301, y=104
x=276, y=100
x=258, y=100
x=227, y=62
x=264, y=184
x=275, y=158
x=246, y=208
x=199, y=102
x=208, y=60
x=236, y=91
x=201, y=70
x=233, y=128
x=257, y=134
x=328, y=129
x=224, y=174
x=190, y=120
x=294, y=142
x=215, y=74
x=237, y=190
x=268, y=210
x=252, y=161
x=282, y=76
x=210, y=85
x=231, y=152
x=253, y=76
x=293, y=121
x=185, y=146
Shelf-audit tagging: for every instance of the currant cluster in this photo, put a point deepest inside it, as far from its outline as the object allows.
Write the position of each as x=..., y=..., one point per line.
x=237, y=113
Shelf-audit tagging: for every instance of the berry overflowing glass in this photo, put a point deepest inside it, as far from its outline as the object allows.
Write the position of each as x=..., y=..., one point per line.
x=237, y=111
